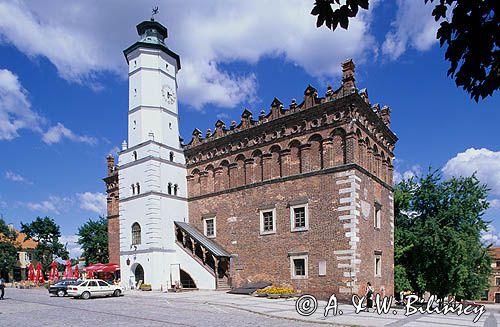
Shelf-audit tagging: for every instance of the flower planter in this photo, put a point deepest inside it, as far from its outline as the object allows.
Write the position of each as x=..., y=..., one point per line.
x=145, y=288
x=260, y=294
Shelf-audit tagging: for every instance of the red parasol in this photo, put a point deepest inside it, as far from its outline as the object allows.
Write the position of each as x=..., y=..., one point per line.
x=53, y=271
x=76, y=273
x=31, y=272
x=39, y=278
x=68, y=272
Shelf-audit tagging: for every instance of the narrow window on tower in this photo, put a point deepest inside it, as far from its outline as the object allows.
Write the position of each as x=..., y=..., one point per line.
x=209, y=226
x=138, y=188
x=169, y=188
x=268, y=221
x=299, y=218
x=298, y=266
x=136, y=234
x=378, y=264
x=135, y=155
x=132, y=187
x=171, y=156
x=176, y=187
x=377, y=215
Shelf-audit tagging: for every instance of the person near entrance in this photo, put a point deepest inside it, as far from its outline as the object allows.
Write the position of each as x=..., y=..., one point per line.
x=2, y=288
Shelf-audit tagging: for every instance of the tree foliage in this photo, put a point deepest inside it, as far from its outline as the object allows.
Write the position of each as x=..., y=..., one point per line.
x=46, y=232
x=437, y=238
x=470, y=29
x=93, y=237
x=8, y=247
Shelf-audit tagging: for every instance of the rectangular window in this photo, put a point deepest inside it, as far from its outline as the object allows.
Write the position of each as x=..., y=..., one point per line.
x=376, y=215
x=497, y=281
x=378, y=265
x=322, y=268
x=298, y=266
x=268, y=221
x=484, y=297
x=498, y=263
x=209, y=227
x=299, y=218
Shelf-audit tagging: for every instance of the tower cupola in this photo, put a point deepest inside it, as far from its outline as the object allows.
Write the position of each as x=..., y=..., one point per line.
x=151, y=31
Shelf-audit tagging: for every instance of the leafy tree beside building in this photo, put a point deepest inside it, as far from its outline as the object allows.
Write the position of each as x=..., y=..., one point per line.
x=438, y=236
x=8, y=248
x=46, y=233
x=93, y=238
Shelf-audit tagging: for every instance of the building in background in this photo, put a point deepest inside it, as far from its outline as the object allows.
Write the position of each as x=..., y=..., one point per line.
x=299, y=196
x=492, y=295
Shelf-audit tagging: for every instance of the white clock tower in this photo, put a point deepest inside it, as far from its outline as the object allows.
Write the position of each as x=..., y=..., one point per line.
x=152, y=173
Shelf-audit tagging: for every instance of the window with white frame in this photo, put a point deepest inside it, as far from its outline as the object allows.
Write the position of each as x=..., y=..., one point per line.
x=268, y=221
x=378, y=265
x=136, y=234
x=209, y=226
x=298, y=266
x=299, y=218
x=376, y=215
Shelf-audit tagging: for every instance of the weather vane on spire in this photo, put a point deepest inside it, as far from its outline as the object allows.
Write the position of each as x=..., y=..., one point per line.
x=154, y=12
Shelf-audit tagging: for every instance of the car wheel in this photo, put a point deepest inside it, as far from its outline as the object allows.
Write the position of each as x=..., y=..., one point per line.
x=116, y=293
x=85, y=295
x=60, y=293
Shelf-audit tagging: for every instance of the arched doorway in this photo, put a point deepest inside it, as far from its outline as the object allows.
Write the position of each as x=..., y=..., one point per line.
x=139, y=274
x=186, y=280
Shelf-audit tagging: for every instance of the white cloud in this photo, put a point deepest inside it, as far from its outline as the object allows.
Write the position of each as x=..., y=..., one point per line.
x=414, y=27
x=83, y=39
x=15, y=108
x=95, y=202
x=484, y=162
x=414, y=171
x=490, y=236
x=495, y=203
x=16, y=113
x=10, y=175
x=57, y=133
x=54, y=204
x=75, y=251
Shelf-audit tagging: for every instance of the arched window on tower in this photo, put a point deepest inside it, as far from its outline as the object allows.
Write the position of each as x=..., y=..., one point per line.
x=169, y=188
x=171, y=156
x=135, y=155
x=136, y=234
x=176, y=187
x=132, y=187
x=138, y=188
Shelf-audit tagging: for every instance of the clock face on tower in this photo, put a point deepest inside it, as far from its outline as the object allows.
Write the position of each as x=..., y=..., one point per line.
x=168, y=94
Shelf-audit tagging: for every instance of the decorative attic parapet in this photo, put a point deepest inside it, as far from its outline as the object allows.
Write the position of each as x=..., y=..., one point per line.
x=311, y=100
x=310, y=97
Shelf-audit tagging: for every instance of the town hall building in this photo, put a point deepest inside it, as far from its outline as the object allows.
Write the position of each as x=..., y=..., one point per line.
x=299, y=196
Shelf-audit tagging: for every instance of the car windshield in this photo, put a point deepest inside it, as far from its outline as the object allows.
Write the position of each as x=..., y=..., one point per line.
x=80, y=283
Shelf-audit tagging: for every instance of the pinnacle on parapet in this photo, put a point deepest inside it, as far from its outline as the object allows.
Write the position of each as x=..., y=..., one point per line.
x=276, y=103
x=246, y=114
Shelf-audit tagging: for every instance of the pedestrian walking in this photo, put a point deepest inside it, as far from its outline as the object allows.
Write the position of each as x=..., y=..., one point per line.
x=2, y=288
x=369, y=296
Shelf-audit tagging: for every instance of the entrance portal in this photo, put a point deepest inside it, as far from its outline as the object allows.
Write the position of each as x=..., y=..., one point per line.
x=186, y=280
x=139, y=274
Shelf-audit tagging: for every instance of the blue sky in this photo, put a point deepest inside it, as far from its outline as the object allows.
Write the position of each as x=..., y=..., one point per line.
x=63, y=89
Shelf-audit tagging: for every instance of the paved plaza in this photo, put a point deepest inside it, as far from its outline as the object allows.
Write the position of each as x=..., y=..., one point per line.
x=200, y=308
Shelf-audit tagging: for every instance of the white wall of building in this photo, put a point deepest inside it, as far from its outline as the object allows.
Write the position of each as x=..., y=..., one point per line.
x=153, y=134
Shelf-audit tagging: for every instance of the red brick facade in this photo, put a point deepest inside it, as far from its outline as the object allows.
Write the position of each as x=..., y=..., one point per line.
x=330, y=155
x=112, y=207
x=333, y=154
